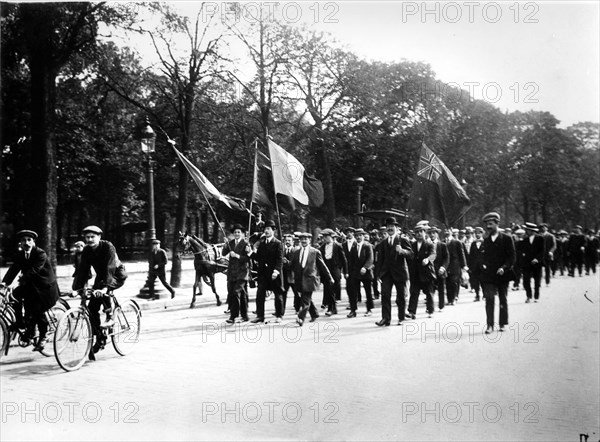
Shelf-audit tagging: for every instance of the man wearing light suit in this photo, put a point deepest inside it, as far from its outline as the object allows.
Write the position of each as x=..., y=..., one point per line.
x=238, y=271
x=308, y=266
x=393, y=272
x=360, y=269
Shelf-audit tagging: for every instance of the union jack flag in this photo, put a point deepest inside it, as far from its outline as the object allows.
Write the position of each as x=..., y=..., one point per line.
x=429, y=165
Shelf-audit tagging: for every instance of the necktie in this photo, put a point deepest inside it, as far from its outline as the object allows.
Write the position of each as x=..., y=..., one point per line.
x=302, y=256
x=390, y=241
x=26, y=255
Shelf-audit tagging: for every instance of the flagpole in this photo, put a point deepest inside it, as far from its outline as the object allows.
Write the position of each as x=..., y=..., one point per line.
x=275, y=191
x=254, y=184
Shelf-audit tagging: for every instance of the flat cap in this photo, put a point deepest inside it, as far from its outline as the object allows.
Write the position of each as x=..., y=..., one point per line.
x=329, y=232
x=360, y=231
x=24, y=233
x=156, y=241
x=93, y=229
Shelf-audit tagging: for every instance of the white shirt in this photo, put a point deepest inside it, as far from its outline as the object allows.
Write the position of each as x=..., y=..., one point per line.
x=494, y=236
x=304, y=255
x=328, y=251
x=358, y=247
x=531, y=239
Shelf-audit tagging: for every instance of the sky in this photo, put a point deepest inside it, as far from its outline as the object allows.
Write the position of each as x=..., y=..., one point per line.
x=523, y=56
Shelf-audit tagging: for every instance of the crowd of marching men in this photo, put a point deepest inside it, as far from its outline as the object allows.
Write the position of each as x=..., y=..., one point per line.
x=424, y=260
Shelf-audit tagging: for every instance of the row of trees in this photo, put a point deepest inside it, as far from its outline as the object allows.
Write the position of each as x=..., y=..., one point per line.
x=74, y=89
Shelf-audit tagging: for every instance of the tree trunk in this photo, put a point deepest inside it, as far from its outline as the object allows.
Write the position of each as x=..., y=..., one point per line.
x=182, y=201
x=41, y=212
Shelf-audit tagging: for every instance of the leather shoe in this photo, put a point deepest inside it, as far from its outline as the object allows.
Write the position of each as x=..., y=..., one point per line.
x=257, y=320
x=368, y=313
x=245, y=319
x=230, y=321
x=383, y=323
x=489, y=330
x=527, y=301
x=314, y=318
x=351, y=315
x=299, y=322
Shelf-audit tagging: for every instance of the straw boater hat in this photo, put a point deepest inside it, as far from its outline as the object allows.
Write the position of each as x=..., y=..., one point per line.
x=304, y=235
x=530, y=226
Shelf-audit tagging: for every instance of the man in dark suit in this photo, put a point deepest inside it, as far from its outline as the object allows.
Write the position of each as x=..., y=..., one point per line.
x=308, y=267
x=422, y=271
x=268, y=256
x=394, y=273
x=440, y=265
x=347, y=246
x=157, y=262
x=530, y=256
x=474, y=261
x=560, y=255
x=238, y=273
x=38, y=288
x=335, y=260
x=458, y=262
x=577, y=243
x=377, y=256
x=592, y=248
x=498, y=258
x=360, y=269
x=549, y=249
x=288, y=275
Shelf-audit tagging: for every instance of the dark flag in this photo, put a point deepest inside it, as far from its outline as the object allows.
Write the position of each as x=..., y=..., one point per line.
x=207, y=188
x=436, y=193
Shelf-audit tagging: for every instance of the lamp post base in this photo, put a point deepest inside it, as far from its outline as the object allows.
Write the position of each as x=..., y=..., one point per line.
x=159, y=291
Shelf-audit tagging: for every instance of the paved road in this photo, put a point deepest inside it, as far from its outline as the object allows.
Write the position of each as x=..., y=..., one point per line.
x=193, y=378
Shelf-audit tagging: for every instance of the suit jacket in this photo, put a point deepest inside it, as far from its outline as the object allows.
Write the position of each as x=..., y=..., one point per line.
x=269, y=257
x=288, y=274
x=496, y=254
x=475, y=258
x=418, y=271
x=456, y=252
x=160, y=258
x=104, y=260
x=38, y=277
x=442, y=258
x=549, y=245
x=308, y=278
x=338, y=263
x=576, y=242
x=357, y=262
x=527, y=252
x=238, y=269
x=394, y=263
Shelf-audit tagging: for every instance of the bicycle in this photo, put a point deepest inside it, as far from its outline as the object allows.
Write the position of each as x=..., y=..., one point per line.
x=74, y=336
x=8, y=303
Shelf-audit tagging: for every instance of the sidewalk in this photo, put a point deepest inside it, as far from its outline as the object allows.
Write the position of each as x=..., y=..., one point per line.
x=137, y=273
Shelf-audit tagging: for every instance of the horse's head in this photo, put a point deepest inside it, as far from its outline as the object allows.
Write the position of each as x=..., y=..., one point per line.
x=184, y=242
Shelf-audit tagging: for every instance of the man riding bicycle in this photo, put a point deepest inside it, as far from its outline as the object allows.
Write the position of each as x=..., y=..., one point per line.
x=37, y=290
x=102, y=256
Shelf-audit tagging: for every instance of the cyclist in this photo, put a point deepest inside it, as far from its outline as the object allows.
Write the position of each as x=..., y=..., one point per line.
x=37, y=290
x=102, y=256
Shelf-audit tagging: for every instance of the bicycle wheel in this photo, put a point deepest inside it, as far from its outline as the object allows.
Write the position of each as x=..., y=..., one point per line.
x=4, y=337
x=126, y=331
x=73, y=339
x=8, y=314
x=54, y=315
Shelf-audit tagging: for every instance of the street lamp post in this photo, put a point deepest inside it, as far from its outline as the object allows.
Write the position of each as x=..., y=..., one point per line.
x=147, y=139
x=360, y=182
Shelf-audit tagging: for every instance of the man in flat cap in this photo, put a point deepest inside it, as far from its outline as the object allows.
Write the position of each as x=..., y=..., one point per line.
x=577, y=243
x=360, y=270
x=422, y=270
x=530, y=257
x=38, y=288
x=102, y=256
x=347, y=246
x=157, y=262
x=498, y=258
x=440, y=265
x=592, y=250
x=309, y=268
x=474, y=261
x=288, y=275
x=394, y=272
x=335, y=260
x=457, y=262
x=238, y=273
x=549, y=250
x=560, y=254
x=268, y=256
